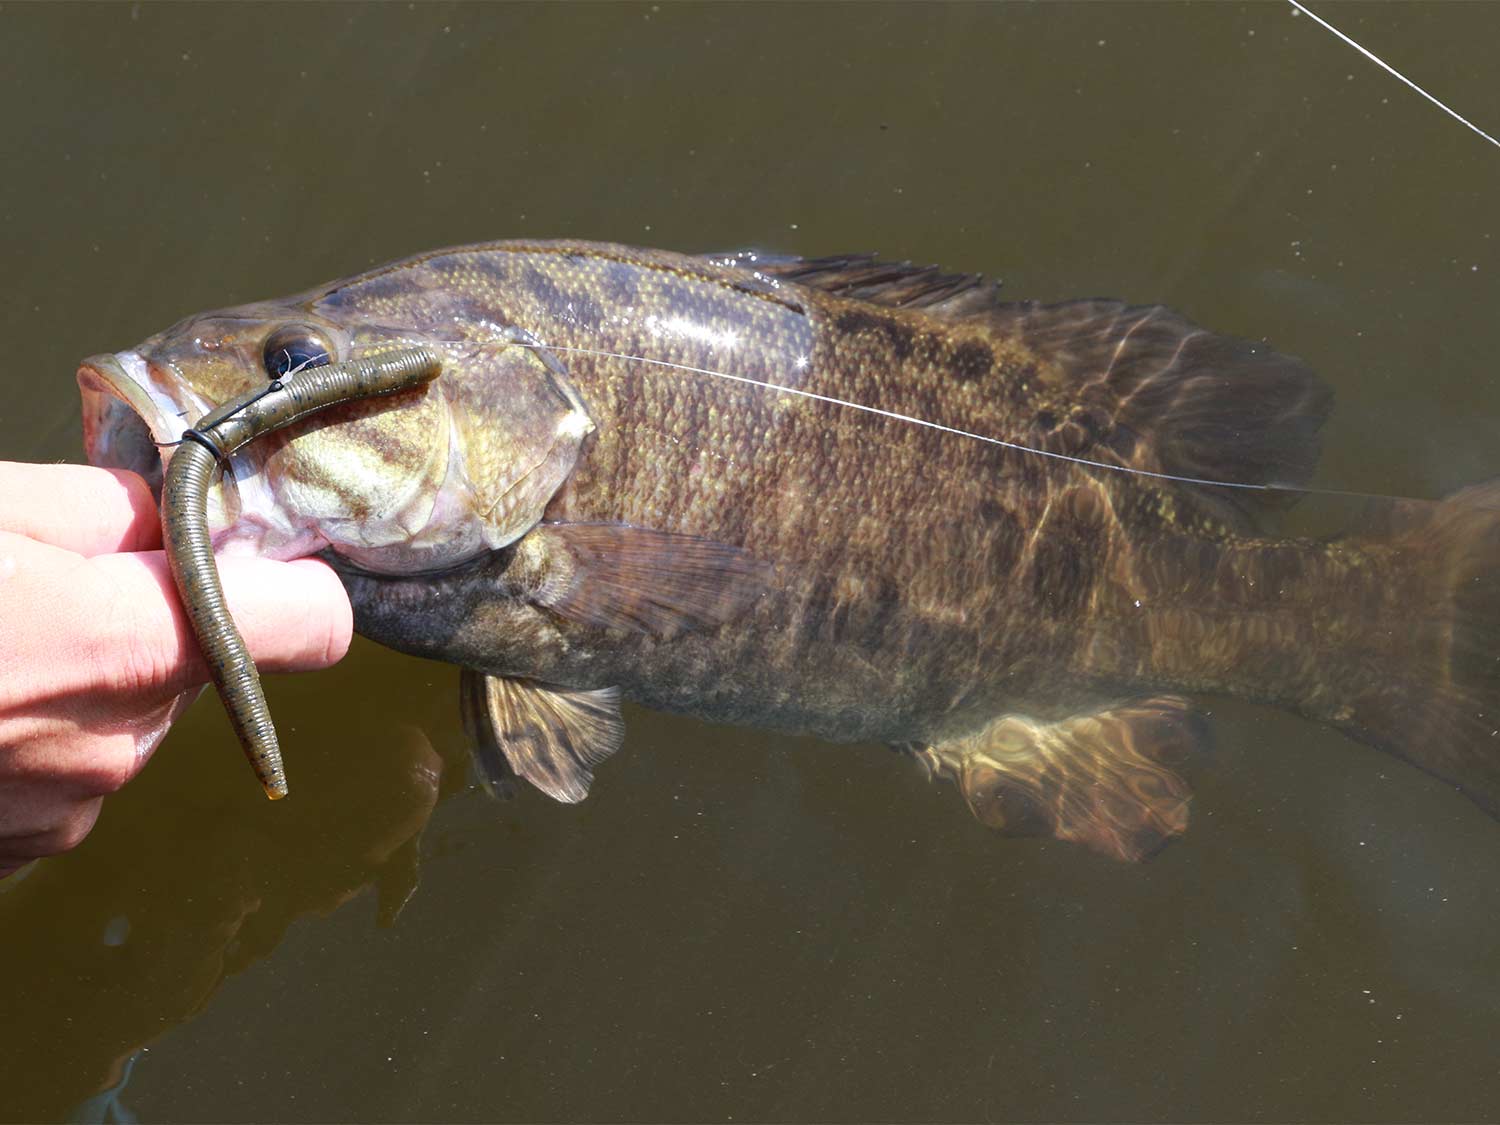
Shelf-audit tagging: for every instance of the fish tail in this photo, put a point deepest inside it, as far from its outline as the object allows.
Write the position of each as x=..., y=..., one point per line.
x=1438, y=703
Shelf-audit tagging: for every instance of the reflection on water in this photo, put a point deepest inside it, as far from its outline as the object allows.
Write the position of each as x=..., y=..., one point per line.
x=137, y=937
x=739, y=924
x=108, y=1106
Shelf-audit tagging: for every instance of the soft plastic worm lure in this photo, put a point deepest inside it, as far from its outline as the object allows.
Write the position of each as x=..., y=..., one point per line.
x=184, y=521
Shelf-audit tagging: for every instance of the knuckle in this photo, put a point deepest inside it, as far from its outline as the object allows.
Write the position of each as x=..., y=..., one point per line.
x=130, y=651
x=70, y=835
x=143, y=665
x=109, y=772
x=62, y=838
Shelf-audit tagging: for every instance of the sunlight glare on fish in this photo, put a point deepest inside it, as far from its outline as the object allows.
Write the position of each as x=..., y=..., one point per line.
x=682, y=327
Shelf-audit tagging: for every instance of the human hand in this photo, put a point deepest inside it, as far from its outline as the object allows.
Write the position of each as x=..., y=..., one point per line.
x=96, y=656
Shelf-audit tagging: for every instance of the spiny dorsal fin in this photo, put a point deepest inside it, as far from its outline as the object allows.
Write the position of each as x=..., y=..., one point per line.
x=1144, y=387
x=864, y=277
x=551, y=736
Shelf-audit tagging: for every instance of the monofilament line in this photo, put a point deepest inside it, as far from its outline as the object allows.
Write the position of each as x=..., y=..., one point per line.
x=781, y=388
x=1389, y=69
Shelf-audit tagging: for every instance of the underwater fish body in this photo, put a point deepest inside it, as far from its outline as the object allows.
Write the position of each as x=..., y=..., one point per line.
x=862, y=500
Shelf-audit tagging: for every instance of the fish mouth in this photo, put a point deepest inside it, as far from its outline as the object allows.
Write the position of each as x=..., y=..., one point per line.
x=135, y=411
x=131, y=411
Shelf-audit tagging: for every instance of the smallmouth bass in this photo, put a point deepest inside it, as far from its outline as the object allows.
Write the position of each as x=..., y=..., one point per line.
x=640, y=476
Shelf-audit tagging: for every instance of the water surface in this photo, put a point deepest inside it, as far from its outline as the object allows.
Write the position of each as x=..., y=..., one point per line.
x=737, y=925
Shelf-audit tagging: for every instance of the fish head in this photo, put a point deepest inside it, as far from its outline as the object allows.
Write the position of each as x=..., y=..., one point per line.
x=419, y=480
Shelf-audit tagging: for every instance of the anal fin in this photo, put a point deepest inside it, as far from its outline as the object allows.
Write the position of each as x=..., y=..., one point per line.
x=1102, y=779
x=551, y=736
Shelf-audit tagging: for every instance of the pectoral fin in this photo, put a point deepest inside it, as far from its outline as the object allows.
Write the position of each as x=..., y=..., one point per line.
x=1101, y=780
x=619, y=577
x=551, y=736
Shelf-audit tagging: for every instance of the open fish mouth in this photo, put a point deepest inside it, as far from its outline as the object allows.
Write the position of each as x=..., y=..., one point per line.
x=135, y=410
x=130, y=410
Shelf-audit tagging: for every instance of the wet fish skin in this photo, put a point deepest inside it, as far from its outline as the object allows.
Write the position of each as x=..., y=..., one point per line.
x=881, y=579
x=907, y=556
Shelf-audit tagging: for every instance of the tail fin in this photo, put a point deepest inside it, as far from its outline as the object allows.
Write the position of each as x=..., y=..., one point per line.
x=1441, y=709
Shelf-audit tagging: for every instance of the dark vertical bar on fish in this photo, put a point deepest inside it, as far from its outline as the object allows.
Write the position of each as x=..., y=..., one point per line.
x=184, y=521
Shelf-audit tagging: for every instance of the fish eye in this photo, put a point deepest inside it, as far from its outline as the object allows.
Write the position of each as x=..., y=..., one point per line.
x=292, y=348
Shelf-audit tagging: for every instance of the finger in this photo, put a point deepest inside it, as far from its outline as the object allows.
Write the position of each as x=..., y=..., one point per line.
x=294, y=617
x=113, y=623
x=73, y=748
x=53, y=827
x=78, y=507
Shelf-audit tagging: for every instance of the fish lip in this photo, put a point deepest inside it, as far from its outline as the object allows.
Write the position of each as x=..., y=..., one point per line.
x=131, y=413
x=135, y=411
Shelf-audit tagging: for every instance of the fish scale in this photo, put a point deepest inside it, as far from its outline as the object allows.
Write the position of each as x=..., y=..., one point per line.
x=835, y=497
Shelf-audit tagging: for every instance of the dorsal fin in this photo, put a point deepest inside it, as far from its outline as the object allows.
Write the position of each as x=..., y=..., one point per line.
x=1144, y=387
x=864, y=277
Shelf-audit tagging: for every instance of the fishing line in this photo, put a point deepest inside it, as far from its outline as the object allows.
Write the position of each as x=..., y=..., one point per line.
x=191, y=434
x=1389, y=69
x=985, y=438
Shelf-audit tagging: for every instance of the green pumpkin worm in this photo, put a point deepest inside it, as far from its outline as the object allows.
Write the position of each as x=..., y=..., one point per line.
x=184, y=521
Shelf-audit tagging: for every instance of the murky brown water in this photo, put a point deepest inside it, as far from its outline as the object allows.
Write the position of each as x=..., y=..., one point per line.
x=738, y=925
